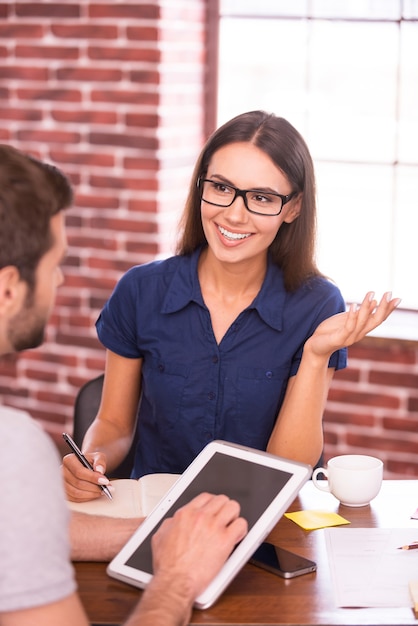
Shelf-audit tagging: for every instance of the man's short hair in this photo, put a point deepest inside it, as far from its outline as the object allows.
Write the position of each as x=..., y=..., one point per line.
x=31, y=193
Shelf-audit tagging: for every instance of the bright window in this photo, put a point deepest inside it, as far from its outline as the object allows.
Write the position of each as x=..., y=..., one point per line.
x=345, y=74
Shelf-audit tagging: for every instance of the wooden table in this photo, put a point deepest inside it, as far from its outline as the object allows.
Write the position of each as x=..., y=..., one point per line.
x=258, y=597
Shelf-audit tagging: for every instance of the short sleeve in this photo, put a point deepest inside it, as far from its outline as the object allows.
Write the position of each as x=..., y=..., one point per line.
x=34, y=519
x=116, y=325
x=328, y=302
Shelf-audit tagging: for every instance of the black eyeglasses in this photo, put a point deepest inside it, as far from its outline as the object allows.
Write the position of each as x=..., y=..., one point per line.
x=256, y=201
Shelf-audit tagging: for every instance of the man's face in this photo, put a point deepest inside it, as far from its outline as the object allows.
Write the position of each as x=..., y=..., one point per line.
x=27, y=328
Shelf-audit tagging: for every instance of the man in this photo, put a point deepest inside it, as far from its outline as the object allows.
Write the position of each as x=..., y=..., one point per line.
x=37, y=583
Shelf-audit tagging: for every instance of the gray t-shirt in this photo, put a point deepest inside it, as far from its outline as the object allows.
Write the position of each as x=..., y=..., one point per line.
x=35, y=567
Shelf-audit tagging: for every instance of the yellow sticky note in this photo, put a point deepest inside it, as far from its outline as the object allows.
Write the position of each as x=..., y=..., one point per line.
x=311, y=520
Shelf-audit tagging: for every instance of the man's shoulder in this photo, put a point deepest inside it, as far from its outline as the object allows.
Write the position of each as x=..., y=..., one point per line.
x=9, y=415
x=17, y=427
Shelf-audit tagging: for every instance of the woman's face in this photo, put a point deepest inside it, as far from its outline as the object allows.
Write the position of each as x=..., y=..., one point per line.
x=234, y=234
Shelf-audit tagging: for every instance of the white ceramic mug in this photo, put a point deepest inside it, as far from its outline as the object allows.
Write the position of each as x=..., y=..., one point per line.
x=354, y=479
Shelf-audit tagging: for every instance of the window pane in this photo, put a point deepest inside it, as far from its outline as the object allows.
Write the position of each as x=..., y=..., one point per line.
x=256, y=70
x=408, y=123
x=353, y=91
x=347, y=79
x=377, y=9
x=405, y=253
x=410, y=8
x=264, y=7
x=355, y=227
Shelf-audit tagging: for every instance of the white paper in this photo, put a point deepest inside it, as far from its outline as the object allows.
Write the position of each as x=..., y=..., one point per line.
x=368, y=569
x=153, y=489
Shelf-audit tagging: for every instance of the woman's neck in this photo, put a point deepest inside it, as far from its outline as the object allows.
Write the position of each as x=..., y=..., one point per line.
x=234, y=280
x=228, y=289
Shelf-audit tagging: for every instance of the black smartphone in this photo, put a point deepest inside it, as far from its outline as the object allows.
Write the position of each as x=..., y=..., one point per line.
x=281, y=562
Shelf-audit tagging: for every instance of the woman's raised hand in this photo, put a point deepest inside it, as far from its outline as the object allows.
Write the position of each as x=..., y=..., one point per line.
x=345, y=329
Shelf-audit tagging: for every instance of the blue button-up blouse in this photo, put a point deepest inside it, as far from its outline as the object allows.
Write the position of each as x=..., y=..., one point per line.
x=194, y=390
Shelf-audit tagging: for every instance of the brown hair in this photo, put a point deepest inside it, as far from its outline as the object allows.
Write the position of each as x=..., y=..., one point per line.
x=31, y=192
x=293, y=249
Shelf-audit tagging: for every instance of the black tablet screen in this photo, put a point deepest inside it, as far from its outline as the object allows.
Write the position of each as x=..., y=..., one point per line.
x=254, y=486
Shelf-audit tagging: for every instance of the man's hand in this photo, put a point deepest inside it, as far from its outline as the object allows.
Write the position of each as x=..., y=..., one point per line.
x=193, y=545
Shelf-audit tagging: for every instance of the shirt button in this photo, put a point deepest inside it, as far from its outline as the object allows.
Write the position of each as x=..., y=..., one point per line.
x=211, y=395
x=161, y=368
x=215, y=359
x=269, y=374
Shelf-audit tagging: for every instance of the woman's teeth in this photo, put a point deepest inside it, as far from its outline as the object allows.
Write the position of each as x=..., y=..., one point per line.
x=234, y=236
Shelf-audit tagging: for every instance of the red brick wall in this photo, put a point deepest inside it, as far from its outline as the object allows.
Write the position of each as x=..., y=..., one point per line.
x=373, y=405
x=113, y=93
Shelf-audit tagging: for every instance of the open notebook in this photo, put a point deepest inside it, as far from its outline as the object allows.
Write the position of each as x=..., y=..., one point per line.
x=131, y=497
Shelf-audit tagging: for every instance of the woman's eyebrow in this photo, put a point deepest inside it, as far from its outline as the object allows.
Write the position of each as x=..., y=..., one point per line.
x=264, y=190
x=223, y=179
x=228, y=182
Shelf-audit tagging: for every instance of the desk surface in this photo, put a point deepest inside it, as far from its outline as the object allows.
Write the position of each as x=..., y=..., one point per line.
x=258, y=597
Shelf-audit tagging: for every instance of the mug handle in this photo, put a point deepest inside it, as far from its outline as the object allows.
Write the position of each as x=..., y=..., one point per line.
x=322, y=485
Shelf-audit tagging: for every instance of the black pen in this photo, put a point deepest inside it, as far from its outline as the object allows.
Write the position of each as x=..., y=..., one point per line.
x=80, y=456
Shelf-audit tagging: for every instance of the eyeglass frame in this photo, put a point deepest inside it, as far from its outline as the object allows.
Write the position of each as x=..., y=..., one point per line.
x=242, y=193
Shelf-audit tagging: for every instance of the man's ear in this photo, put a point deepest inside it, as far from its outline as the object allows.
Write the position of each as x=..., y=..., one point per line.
x=293, y=209
x=12, y=289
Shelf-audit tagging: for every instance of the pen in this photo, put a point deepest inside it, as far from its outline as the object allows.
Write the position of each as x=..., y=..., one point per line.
x=80, y=456
x=411, y=546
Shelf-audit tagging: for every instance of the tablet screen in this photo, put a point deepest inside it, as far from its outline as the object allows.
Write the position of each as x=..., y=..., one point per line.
x=253, y=485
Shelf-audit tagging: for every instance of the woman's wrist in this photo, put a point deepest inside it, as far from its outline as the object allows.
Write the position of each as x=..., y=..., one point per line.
x=313, y=357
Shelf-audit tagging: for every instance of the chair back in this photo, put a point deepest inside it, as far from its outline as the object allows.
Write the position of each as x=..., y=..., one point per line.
x=86, y=406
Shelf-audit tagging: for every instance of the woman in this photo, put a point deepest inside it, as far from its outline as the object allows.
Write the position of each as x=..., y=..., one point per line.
x=236, y=337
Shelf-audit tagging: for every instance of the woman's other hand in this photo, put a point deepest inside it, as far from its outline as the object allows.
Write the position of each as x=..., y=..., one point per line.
x=81, y=484
x=345, y=329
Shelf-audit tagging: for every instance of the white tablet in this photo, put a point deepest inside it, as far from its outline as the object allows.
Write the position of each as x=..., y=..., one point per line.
x=262, y=483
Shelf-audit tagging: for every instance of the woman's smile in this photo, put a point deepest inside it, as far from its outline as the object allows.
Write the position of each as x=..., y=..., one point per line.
x=232, y=236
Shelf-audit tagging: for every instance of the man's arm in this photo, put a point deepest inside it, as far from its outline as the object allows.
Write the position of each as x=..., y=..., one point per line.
x=66, y=612
x=99, y=538
x=189, y=549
